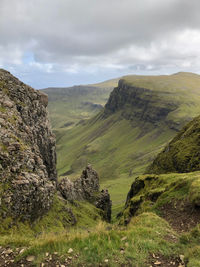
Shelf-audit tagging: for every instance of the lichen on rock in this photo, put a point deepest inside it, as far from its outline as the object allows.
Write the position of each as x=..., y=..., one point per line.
x=27, y=151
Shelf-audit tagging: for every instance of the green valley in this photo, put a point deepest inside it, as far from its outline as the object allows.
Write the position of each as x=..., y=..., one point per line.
x=69, y=105
x=141, y=115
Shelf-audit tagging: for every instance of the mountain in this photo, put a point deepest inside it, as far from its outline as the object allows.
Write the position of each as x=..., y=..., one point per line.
x=141, y=115
x=46, y=221
x=69, y=105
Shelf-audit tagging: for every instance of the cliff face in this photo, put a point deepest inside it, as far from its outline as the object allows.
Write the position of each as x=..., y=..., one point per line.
x=182, y=154
x=27, y=151
x=139, y=104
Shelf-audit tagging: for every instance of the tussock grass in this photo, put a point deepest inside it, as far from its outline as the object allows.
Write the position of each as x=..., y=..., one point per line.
x=144, y=236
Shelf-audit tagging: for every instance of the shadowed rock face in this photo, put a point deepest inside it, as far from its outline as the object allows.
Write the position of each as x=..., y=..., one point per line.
x=87, y=188
x=138, y=103
x=27, y=151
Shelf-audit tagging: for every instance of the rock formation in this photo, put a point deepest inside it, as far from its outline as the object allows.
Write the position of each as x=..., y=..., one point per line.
x=139, y=104
x=27, y=151
x=87, y=188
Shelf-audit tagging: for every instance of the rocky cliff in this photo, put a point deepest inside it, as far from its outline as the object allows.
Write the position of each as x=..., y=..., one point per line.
x=139, y=104
x=27, y=151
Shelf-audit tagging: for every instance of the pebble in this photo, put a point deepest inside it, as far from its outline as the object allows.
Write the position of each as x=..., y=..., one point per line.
x=157, y=263
x=30, y=258
x=70, y=250
x=21, y=251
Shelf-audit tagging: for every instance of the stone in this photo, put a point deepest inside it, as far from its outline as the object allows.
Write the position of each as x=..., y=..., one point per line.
x=104, y=203
x=70, y=250
x=30, y=258
x=27, y=151
x=87, y=188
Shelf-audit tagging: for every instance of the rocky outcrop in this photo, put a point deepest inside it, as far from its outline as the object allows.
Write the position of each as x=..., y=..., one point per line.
x=87, y=188
x=104, y=203
x=27, y=151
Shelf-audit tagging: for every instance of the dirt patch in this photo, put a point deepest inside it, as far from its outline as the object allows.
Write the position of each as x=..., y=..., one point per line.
x=182, y=216
x=160, y=260
x=8, y=259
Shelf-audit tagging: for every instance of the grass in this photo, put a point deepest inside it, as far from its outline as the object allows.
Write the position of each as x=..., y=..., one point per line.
x=144, y=235
x=93, y=242
x=162, y=189
x=120, y=149
x=113, y=148
x=182, y=153
x=67, y=106
x=62, y=215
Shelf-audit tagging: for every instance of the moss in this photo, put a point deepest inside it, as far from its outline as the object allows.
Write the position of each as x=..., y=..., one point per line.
x=182, y=154
x=194, y=192
x=3, y=147
x=162, y=189
x=2, y=109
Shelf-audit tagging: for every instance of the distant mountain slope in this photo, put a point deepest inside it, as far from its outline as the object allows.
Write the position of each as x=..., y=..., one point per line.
x=182, y=154
x=142, y=114
x=69, y=105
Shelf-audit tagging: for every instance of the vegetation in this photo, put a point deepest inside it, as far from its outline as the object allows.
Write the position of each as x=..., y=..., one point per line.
x=120, y=145
x=182, y=153
x=113, y=247
x=67, y=106
x=160, y=222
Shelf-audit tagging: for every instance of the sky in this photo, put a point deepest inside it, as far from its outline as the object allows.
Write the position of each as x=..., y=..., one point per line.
x=69, y=42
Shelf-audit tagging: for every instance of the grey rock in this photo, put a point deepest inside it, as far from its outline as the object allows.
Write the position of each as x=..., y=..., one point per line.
x=87, y=188
x=27, y=151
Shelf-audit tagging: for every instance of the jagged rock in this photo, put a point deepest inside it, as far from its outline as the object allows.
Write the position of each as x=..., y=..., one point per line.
x=87, y=188
x=27, y=151
x=84, y=188
x=104, y=203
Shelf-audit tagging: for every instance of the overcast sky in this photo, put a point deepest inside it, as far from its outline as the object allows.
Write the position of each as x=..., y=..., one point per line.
x=66, y=42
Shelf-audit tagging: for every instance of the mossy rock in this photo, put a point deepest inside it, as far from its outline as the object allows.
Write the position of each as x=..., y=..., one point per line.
x=159, y=191
x=182, y=154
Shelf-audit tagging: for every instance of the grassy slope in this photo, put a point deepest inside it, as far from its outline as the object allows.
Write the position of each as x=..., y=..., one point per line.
x=117, y=149
x=182, y=88
x=148, y=237
x=182, y=192
x=69, y=105
x=182, y=153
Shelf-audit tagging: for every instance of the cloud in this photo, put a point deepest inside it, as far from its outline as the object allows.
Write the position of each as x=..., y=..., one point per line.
x=87, y=36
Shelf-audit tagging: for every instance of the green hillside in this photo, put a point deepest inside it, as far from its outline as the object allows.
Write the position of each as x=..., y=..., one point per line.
x=69, y=105
x=182, y=154
x=142, y=114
